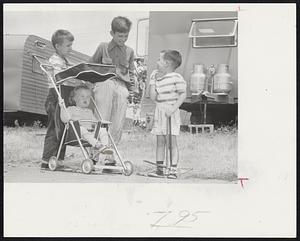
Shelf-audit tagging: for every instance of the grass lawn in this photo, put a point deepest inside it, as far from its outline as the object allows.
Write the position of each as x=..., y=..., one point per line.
x=206, y=156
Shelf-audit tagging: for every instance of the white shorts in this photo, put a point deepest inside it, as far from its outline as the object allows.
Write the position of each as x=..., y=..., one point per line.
x=161, y=123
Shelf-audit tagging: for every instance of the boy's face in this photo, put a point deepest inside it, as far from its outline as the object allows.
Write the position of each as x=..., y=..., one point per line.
x=64, y=48
x=82, y=98
x=119, y=38
x=162, y=64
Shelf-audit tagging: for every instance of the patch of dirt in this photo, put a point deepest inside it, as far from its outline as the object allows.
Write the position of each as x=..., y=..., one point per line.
x=33, y=174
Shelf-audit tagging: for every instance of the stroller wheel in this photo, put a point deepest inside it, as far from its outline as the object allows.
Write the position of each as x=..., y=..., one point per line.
x=87, y=166
x=52, y=163
x=128, y=168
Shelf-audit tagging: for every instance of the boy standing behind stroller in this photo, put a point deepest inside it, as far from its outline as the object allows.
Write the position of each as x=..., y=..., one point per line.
x=168, y=90
x=111, y=95
x=81, y=96
x=62, y=41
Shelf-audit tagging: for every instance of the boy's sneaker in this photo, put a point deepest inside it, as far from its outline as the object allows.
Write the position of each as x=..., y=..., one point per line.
x=44, y=166
x=172, y=174
x=157, y=173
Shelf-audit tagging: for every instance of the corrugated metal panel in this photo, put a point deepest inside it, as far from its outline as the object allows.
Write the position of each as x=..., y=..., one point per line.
x=34, y=85
x=34, y=88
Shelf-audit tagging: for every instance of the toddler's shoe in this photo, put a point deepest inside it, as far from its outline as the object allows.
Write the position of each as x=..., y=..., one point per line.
x=104, y=149
x=107, y=150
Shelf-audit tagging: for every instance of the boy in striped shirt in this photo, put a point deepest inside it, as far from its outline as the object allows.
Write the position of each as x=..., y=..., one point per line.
x=168, y=90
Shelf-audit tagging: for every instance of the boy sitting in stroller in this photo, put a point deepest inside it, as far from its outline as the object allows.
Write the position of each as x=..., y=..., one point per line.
x=81, y=96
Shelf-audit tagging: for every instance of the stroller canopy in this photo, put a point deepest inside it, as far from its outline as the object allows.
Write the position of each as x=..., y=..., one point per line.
x=87, y=72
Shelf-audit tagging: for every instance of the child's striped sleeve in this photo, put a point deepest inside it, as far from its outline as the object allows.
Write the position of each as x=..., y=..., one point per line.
x=180, y=84
x=153, y=77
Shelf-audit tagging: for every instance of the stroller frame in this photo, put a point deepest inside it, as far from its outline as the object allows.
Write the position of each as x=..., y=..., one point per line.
x=87, y=165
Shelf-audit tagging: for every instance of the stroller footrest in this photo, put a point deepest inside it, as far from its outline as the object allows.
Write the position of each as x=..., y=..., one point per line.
x=108, y=167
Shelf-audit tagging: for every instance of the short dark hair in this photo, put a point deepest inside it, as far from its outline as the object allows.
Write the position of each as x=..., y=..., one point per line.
x=120, y=24
x=73, y=93
x=60, y=35
x=173, y=56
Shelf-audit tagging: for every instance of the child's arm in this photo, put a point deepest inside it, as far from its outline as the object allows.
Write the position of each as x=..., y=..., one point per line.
x=97, y=57
x=131, y=72
x=176, y=106
x=153, y=93
x=180, y=88
x=63, y=113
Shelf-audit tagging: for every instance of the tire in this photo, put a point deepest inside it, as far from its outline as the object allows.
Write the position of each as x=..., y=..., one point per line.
x=128, y=168
x=52, y=163
x=87, y=166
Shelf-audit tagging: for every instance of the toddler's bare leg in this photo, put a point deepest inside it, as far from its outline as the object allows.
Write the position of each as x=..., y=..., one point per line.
x=103, y=136
x=88, y=136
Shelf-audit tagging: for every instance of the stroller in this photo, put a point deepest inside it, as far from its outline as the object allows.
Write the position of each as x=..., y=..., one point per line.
x=92, y=73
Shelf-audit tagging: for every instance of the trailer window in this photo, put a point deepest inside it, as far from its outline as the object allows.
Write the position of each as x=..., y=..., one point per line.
x=36, y=60
x=214, y=32
x=40, y=44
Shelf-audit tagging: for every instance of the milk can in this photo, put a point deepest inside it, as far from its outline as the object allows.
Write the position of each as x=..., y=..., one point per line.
x=222, y=83
x=198, y=79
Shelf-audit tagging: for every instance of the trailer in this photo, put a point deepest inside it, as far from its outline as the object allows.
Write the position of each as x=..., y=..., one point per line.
x=25, y=86
x=205, y=37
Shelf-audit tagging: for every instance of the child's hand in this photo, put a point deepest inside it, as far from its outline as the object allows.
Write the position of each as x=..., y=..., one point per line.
x=169, y=112
x=169, y=109
x=89, y=84
x=61, y=102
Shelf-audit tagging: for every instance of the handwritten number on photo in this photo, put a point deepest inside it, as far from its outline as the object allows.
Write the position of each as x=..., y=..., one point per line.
x=184, y=216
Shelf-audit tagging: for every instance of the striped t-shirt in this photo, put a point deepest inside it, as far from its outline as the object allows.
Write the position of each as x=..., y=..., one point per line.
x=168, y=87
